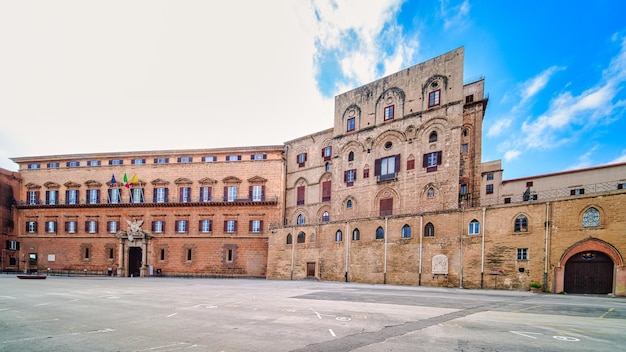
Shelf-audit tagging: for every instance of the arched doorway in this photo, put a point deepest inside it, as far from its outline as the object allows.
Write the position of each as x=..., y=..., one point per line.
x=589, y=272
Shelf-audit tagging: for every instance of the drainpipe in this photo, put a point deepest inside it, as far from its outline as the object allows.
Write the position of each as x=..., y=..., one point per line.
x=419, y=269
x=461, y=250
x=348, y=238
x=385, y=251
x=482, y=252
x=293, y=248
x=546, y=259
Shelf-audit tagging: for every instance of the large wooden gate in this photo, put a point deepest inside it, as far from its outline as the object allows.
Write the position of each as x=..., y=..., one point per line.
x=589, y=272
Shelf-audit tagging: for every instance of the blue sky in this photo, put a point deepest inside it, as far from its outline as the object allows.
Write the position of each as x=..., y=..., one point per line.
x=81, y=77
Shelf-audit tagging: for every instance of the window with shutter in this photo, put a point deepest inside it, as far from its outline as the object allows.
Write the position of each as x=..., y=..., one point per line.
x=300, y=195
x=386, y=206
x=326, y=191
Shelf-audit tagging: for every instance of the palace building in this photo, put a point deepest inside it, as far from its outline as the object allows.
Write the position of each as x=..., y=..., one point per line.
x=395, y=192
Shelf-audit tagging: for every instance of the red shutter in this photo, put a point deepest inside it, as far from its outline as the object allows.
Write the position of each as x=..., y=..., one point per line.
x=225, y=193
x=225, y=225
x=425, y=160
x=345, y=176
x=154, y=195
x=250, y=193
x=439, y=158
x=235, y=225
x=86, y=226
x=377, y=165
x=250, y=226
x=397, y=163
x=386, y=206
x=261, y=226
x=263, y=192
x=300, y=195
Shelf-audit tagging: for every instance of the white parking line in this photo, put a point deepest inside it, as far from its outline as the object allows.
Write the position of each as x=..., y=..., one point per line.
x=332, y=332
x=171, y=315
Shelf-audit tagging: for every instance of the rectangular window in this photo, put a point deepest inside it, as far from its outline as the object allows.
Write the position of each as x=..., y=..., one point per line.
x=350, y=125
x=71, y=196
x=301, y=159
x=114, y=196
x=116, y=162
x=93, y=196
x=431, y=161
x=161, y=160
x=529, y=184
x=410, y=164
x=389, y=112
x=138, y=161
x=13, y=245
x=463, y=189
x=91, y=226
x=33, y=197
x=256, y=226
x=231, y=193
x=577, y=191
x=507, y=200
x=93, y=162
x=464, y=148
x=73, y=164
x=489, y=189
x=111, y=253
x=386, y=206
x=162, y=254
x=522, y=254
x=113, y=226
x=233, y=157
x=469, y=99
x=621, y=186
x=326, y=191
x=184, y=194
x=157, y=226
x=189, y=254
x=205, y=193
x=181, y=226
x=366, y=173
x=230, y=226
x=51, y=226
x=349, y=177
x=326, y=153
x=86, y=253
x=257, y=193
x=258, y=156
x=185, y=159
x=33, y=166
x=433, y=98
x=160, y=195
x=489, y=176
x=205, y=226
x=53, y=165
x=387, y=168
x=52, y=197
x=70, y=226
x=209, y=159
x=31, y=226
x=136, y=195
x=300, y=195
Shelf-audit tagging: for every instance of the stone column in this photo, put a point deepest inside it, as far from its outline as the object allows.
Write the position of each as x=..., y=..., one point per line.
x=121, y=268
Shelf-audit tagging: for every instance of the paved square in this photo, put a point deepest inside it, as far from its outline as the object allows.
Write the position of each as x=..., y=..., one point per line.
x=166, y=314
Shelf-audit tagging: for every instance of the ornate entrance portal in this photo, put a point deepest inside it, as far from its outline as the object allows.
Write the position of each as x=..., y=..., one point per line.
x=133, y=250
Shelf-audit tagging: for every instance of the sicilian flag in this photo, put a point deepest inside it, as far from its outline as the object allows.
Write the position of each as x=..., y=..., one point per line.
x=134, y=179
x=125, y=183
x=113, y=180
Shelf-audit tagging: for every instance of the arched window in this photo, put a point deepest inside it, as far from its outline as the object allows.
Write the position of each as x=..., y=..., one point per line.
x=301, y=237
x=327, y=167
x=356, y=235
x=406, y=231
x=591, y=218
x=380, y=233
x=465, y=132
x=429, y=230
x=351, y=156
x=289, y=239
x=521, y=224
x=430, y=193
x=474, y=228
x=349, y=204
x=338, y=236
x=325, y=217
x=432, y=137
x=300, y=219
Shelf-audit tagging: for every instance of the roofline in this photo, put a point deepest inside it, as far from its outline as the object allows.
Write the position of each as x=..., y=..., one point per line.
x=566, y=172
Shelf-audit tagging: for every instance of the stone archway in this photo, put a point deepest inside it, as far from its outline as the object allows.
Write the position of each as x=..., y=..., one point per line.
x=591, y=266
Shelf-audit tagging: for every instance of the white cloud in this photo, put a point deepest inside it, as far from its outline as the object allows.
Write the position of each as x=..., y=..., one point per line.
x=620, y=159
x=499, y=126
x=454, y=15
x=533, y=86
x=511, y=155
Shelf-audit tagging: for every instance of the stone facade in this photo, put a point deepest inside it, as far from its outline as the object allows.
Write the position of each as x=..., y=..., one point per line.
x=395, y=192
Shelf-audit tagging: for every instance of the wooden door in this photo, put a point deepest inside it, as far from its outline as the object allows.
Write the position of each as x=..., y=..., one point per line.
x=310, y=269
x=589, y=272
